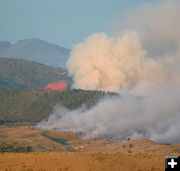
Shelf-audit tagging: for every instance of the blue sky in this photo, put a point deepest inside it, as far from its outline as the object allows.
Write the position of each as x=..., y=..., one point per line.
x=62, y=22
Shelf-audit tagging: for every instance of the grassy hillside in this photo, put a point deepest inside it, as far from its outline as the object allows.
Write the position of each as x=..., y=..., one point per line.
x=25, y=138
x=19, y=73
x=33, y=105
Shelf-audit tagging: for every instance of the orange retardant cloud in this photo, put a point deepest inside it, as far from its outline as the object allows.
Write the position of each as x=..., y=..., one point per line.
x=58, y=86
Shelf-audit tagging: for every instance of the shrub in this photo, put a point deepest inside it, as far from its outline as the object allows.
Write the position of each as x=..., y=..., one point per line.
x=10, y=148
x=130, y=145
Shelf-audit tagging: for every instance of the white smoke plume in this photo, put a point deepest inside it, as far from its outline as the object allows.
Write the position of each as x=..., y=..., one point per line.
x=144, y=62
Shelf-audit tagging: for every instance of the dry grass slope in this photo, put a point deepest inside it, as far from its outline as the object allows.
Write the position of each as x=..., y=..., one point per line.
x=56, y=141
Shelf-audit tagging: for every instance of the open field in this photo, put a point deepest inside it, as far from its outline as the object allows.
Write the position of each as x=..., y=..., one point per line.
x=82, y=161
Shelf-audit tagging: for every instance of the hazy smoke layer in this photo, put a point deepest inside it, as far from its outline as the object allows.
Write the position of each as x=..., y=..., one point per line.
x=121, y=64
x=156, y=117
x=157, y=25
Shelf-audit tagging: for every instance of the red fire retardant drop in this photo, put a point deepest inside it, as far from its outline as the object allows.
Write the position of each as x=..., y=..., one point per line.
x=58, y=86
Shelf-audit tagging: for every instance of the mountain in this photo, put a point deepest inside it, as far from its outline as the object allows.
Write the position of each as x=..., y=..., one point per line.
x=36, y=50
x=19, y=73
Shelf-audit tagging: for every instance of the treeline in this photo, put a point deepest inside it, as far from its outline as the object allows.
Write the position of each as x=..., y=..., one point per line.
x=16, y=149
x=33, y=105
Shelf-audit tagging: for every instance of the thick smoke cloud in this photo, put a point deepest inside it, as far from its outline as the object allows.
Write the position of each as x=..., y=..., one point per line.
x=149, y=52
x=108, y=63
x=143, y=66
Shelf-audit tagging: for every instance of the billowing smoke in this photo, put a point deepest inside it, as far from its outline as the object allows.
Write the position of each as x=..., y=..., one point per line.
x=58, y=86
x=108, y=63
x=113, y=62
x=144, y=62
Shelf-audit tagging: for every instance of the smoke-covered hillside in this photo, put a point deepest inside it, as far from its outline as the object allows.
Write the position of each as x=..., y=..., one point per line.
x=31, y=106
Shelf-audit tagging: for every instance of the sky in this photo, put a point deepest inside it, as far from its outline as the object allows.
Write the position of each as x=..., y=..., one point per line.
x=62, y=22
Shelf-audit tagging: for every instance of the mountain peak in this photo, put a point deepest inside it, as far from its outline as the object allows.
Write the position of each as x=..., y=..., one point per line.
x=36, y=50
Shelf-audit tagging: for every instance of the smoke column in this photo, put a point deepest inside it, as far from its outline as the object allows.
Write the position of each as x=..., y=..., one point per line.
x=58, y=86
x=144, y=62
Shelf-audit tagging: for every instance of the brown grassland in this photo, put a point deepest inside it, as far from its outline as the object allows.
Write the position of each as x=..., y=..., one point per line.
x=82, y=161
x=54, y=150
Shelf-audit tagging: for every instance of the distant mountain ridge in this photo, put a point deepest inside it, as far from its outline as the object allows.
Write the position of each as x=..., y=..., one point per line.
x=36, y=50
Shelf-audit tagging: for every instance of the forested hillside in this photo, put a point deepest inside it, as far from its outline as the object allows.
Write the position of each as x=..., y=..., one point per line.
x=19, y=73
x=33, y=105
